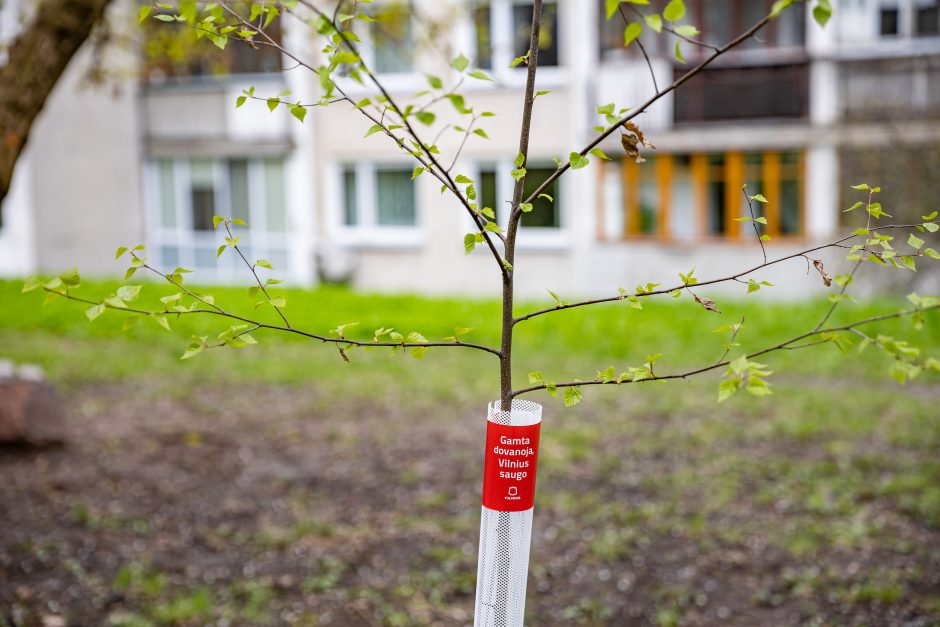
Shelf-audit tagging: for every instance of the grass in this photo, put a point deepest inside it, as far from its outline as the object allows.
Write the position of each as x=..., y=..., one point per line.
x=834, y=478
x=567, y=345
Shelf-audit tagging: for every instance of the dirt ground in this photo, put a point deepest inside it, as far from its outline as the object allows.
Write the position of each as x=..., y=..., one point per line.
x=273, y=506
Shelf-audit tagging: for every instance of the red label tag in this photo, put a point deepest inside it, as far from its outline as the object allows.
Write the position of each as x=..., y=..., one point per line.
x=509, y=469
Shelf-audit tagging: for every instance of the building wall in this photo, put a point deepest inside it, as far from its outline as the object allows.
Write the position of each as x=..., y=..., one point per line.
x=87, y=183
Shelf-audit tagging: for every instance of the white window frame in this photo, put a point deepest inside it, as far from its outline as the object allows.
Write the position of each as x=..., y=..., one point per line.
x=186, y=239
x=536, y=238
x=502, y=54
x=393, y=81
x=367, y=232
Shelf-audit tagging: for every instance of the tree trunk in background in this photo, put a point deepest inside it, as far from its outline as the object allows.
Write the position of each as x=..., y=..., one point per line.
x=37, y=58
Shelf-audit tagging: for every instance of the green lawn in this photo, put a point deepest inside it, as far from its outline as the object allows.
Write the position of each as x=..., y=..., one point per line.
x=564, y=345
x=819, y=504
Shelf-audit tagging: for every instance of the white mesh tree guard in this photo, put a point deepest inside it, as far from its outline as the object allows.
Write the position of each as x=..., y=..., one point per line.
x=506, y=523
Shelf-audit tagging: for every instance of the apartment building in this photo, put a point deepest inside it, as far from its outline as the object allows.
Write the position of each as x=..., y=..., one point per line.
x=796, y=114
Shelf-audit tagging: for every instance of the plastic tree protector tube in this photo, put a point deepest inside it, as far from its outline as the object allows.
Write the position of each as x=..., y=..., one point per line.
x=512, y=445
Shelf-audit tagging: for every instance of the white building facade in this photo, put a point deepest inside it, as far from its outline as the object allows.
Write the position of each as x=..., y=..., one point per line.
x=154, y=158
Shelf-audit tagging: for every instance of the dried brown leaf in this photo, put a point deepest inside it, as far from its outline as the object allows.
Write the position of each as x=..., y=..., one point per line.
x=826, y=277
x=706, y=302
x=632, y=139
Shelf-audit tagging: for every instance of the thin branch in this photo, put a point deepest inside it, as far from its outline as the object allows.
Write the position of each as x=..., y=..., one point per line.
x=216, y=311
x=750, y=208
x=786, y=345
x=730, y=344
x=440, y=173
x=642, y=108
x=733, y=277
x=254, y=273
x=669, y=29
x=649, y=63
x=515, y=213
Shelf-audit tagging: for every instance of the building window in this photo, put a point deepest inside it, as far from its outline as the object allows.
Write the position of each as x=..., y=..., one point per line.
x=721, y=20
x=184, y=194
x=927, y=18
x=173, y=50
x=909, y=18
x=687, y=197
x=495, y=185
x=502, y=33
x=390, y=39
x=378, y=197
x=611, y=33
x=736, y=93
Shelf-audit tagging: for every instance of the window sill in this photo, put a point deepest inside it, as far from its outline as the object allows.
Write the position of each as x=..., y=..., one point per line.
x=388, y=238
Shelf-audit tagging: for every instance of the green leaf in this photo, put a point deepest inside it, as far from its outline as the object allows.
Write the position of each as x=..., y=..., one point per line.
x=573, y=395
x=631, y=32
x=518, y=174
x=493, y=227
x=674, y=11
x=469, y=242
x=264, y=263
x=459, y=103
x=597, y=152
x=558, y=301
x=931, y=227
x=752, y=286
x=216, y=221
x=481, y=75
x=861, y=186
x=760, y=220
x=655, y=22
x=914, y=242
x=678, y=52
x=425, y=117
x=416, y=173
x=536, y=377
x=687, y=30
x=298, y=111
x=375, y=128
x=31, y=284
x=525, y=207
x=70, y=278
x=128, y=293
x=779, y=6
x=220, y=250
x=94, y=311
x=434, y=81
x=193, y=350
x=908, y=262
x=758, y=198
x=547, y=197
x=822, y=12
x=120, y=252
x=611, y=7
x=144, y=12
x=460, y=63
x=273, y=103
x=577, y=161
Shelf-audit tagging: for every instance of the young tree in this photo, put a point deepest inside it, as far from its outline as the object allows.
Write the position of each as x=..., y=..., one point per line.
x=405, y=124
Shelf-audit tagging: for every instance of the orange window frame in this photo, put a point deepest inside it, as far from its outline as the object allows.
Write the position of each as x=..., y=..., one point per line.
x=732, y=173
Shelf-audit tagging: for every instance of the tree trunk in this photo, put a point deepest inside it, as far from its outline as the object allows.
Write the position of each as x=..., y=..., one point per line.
x=37, y=59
